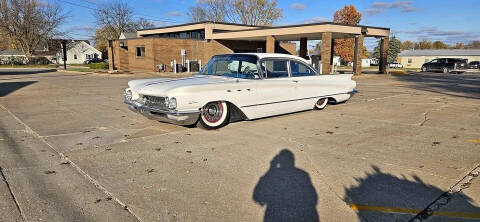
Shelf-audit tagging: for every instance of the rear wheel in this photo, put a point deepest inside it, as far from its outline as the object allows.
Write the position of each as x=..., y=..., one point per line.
x=214, y=115
x=321, y=103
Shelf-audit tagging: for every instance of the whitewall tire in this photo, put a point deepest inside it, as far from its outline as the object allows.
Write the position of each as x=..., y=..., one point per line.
x=214, y=115
x=321, y=103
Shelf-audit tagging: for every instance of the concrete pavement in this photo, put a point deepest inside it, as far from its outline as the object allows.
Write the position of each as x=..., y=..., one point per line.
x=384, y=156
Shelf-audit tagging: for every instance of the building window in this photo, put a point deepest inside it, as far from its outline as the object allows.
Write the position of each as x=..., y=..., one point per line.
x=141, y=51
x=409, y=60
x=194, y=35
x=74, y=56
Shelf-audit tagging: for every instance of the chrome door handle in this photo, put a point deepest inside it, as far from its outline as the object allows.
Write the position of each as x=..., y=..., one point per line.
x=295, y=81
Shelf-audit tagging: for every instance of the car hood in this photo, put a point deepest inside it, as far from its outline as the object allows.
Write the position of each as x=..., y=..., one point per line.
x=162, y=86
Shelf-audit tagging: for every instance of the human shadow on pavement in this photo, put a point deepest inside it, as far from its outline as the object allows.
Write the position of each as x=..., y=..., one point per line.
x=286, y=191
x=9, y=87
x=381, y=196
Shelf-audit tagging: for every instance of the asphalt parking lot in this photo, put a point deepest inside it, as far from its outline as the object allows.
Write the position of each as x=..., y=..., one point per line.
x=70, y=150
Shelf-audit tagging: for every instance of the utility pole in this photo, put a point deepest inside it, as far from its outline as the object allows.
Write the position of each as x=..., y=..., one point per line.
x=64, y=48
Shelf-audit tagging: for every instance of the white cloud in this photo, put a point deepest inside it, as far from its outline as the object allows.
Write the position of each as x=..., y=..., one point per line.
x=448, y=36
x=174, y=13
x=298, y=6
x=403, y=6
x=316, y=20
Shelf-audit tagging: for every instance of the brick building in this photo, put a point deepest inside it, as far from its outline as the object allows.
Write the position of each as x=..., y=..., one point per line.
x=200, y=41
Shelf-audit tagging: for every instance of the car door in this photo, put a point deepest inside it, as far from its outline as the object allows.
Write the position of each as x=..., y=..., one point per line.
x=310, y=86
x=274, y=92
x=431, y=65
x=441, y=63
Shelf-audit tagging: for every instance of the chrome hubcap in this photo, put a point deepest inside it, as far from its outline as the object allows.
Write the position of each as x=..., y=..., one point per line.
x=321, y=102
x=213, y=112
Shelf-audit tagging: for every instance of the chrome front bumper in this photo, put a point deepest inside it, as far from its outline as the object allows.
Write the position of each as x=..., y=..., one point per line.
x=178, y=118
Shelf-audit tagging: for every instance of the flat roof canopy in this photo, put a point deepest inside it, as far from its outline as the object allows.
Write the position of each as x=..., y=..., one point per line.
x=231, y=31
x=309, y=31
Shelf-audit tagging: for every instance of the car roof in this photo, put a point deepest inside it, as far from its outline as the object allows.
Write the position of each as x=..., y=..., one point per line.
x=272, y=55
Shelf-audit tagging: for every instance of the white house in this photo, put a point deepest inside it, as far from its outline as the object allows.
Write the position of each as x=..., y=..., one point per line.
x=416, y=58
x=78, y=52
x=366, y=62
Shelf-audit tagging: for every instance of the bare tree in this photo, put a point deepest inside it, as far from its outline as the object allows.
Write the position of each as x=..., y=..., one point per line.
x=198, y=14
x=209, y=10
x=249, y=12
x=143, y=23
x=113, y=19
x=27, y=23
x=255, y=12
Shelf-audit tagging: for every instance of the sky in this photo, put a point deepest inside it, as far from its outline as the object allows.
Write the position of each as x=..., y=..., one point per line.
x=450, y=21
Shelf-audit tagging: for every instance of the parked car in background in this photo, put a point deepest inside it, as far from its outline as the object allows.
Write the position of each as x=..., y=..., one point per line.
x=240, y=86
x=474, y=65
x=445, y=65
x=395, y=65
x=93, y=60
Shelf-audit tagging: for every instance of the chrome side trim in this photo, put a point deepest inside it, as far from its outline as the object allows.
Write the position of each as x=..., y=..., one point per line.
x=292, y=100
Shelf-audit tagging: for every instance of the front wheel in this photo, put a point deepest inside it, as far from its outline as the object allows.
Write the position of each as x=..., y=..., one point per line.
x=214, y=115
x=321, y=103
x=446, y=70
x=424, y=69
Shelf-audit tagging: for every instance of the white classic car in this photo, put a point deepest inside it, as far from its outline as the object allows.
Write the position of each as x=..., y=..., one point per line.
x=243, y=86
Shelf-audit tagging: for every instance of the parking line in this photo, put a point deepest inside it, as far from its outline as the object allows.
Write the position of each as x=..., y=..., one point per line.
x=474, y=141
x=463, y=215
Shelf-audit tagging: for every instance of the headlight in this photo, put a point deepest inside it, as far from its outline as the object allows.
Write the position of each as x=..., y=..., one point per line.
x=171, y=103
x=127, y=93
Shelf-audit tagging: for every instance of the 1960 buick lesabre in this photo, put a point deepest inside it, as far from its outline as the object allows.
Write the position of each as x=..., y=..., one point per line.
x=233, y=87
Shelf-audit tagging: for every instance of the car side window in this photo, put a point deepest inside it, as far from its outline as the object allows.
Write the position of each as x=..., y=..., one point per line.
x=434, y=61
x=275, y=68
x=299, y=69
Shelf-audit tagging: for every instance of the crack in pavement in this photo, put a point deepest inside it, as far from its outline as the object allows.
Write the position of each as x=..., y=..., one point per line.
x=425, y=114
x=75, y=166
x=12, y=194
x=444, y=199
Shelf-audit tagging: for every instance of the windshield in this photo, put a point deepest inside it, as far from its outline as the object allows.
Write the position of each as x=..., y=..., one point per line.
x=235, y=66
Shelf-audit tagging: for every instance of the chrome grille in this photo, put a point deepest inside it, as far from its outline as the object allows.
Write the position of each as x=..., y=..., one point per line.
x=154, y=102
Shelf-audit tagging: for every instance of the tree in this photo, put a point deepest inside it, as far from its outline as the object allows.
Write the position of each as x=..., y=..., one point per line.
x=424, y=44
x=112, y=20
x=394, y=48
x=408, y=45
x=27, y=23
x=198, y=14
x=473, y=45
x=248, y=12
x=101, y=40
x=255, y=12
x=439, y=45
x=459, y=45
x=4, y=43
x=348, y=16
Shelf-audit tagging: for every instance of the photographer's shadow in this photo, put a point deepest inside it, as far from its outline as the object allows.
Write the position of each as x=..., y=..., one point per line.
x=286, y=191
